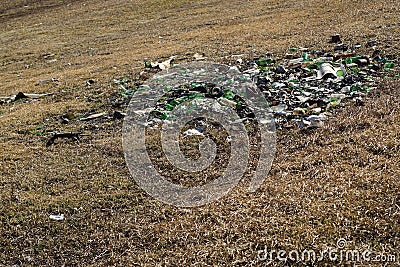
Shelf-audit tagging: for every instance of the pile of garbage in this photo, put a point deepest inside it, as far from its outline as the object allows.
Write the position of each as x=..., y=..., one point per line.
x=201, y=90
x=304, y=86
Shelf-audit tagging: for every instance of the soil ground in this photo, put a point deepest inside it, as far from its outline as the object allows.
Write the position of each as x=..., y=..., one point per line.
x=339, y=181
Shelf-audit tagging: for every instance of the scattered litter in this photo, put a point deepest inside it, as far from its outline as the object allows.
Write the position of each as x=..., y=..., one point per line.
x=165, y=64
x=389, y=65
x=162, y=66
x=191, y=132
x=49, y=80
x=299, y=111
x=335, y=39
x=340, y=47
x=89, y=82
x=21, y=95
x=34, y=96
x=359, y=101
x=372, y=43
x=304, y=123
x=326, y=71
x=317, y=118
x=57, y=217
x=281, y=69
x=93, y=116
x=227, y=102
x=71, y=135
x=198, y=56
x=67, y=117
x=118, y=115
x=279, y=108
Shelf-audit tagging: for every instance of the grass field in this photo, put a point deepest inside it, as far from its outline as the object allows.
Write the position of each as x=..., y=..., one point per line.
x=339, y=181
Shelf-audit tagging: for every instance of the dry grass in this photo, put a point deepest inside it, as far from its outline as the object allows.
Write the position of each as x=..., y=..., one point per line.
x=341, y=181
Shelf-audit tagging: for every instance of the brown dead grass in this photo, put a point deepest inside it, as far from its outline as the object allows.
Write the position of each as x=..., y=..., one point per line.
x=341, y=181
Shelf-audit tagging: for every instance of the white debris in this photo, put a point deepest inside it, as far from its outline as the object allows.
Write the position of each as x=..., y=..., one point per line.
x=166, y=64
x=94, y=116
x=304, y=123
x=143, y=111
x=191, y=132
x=338, y=96
x=57, y=217
x=317, y=124
x=163, y=65
x=326, y=71
x=320, y=117
x=198, y=56
x=317, y=110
